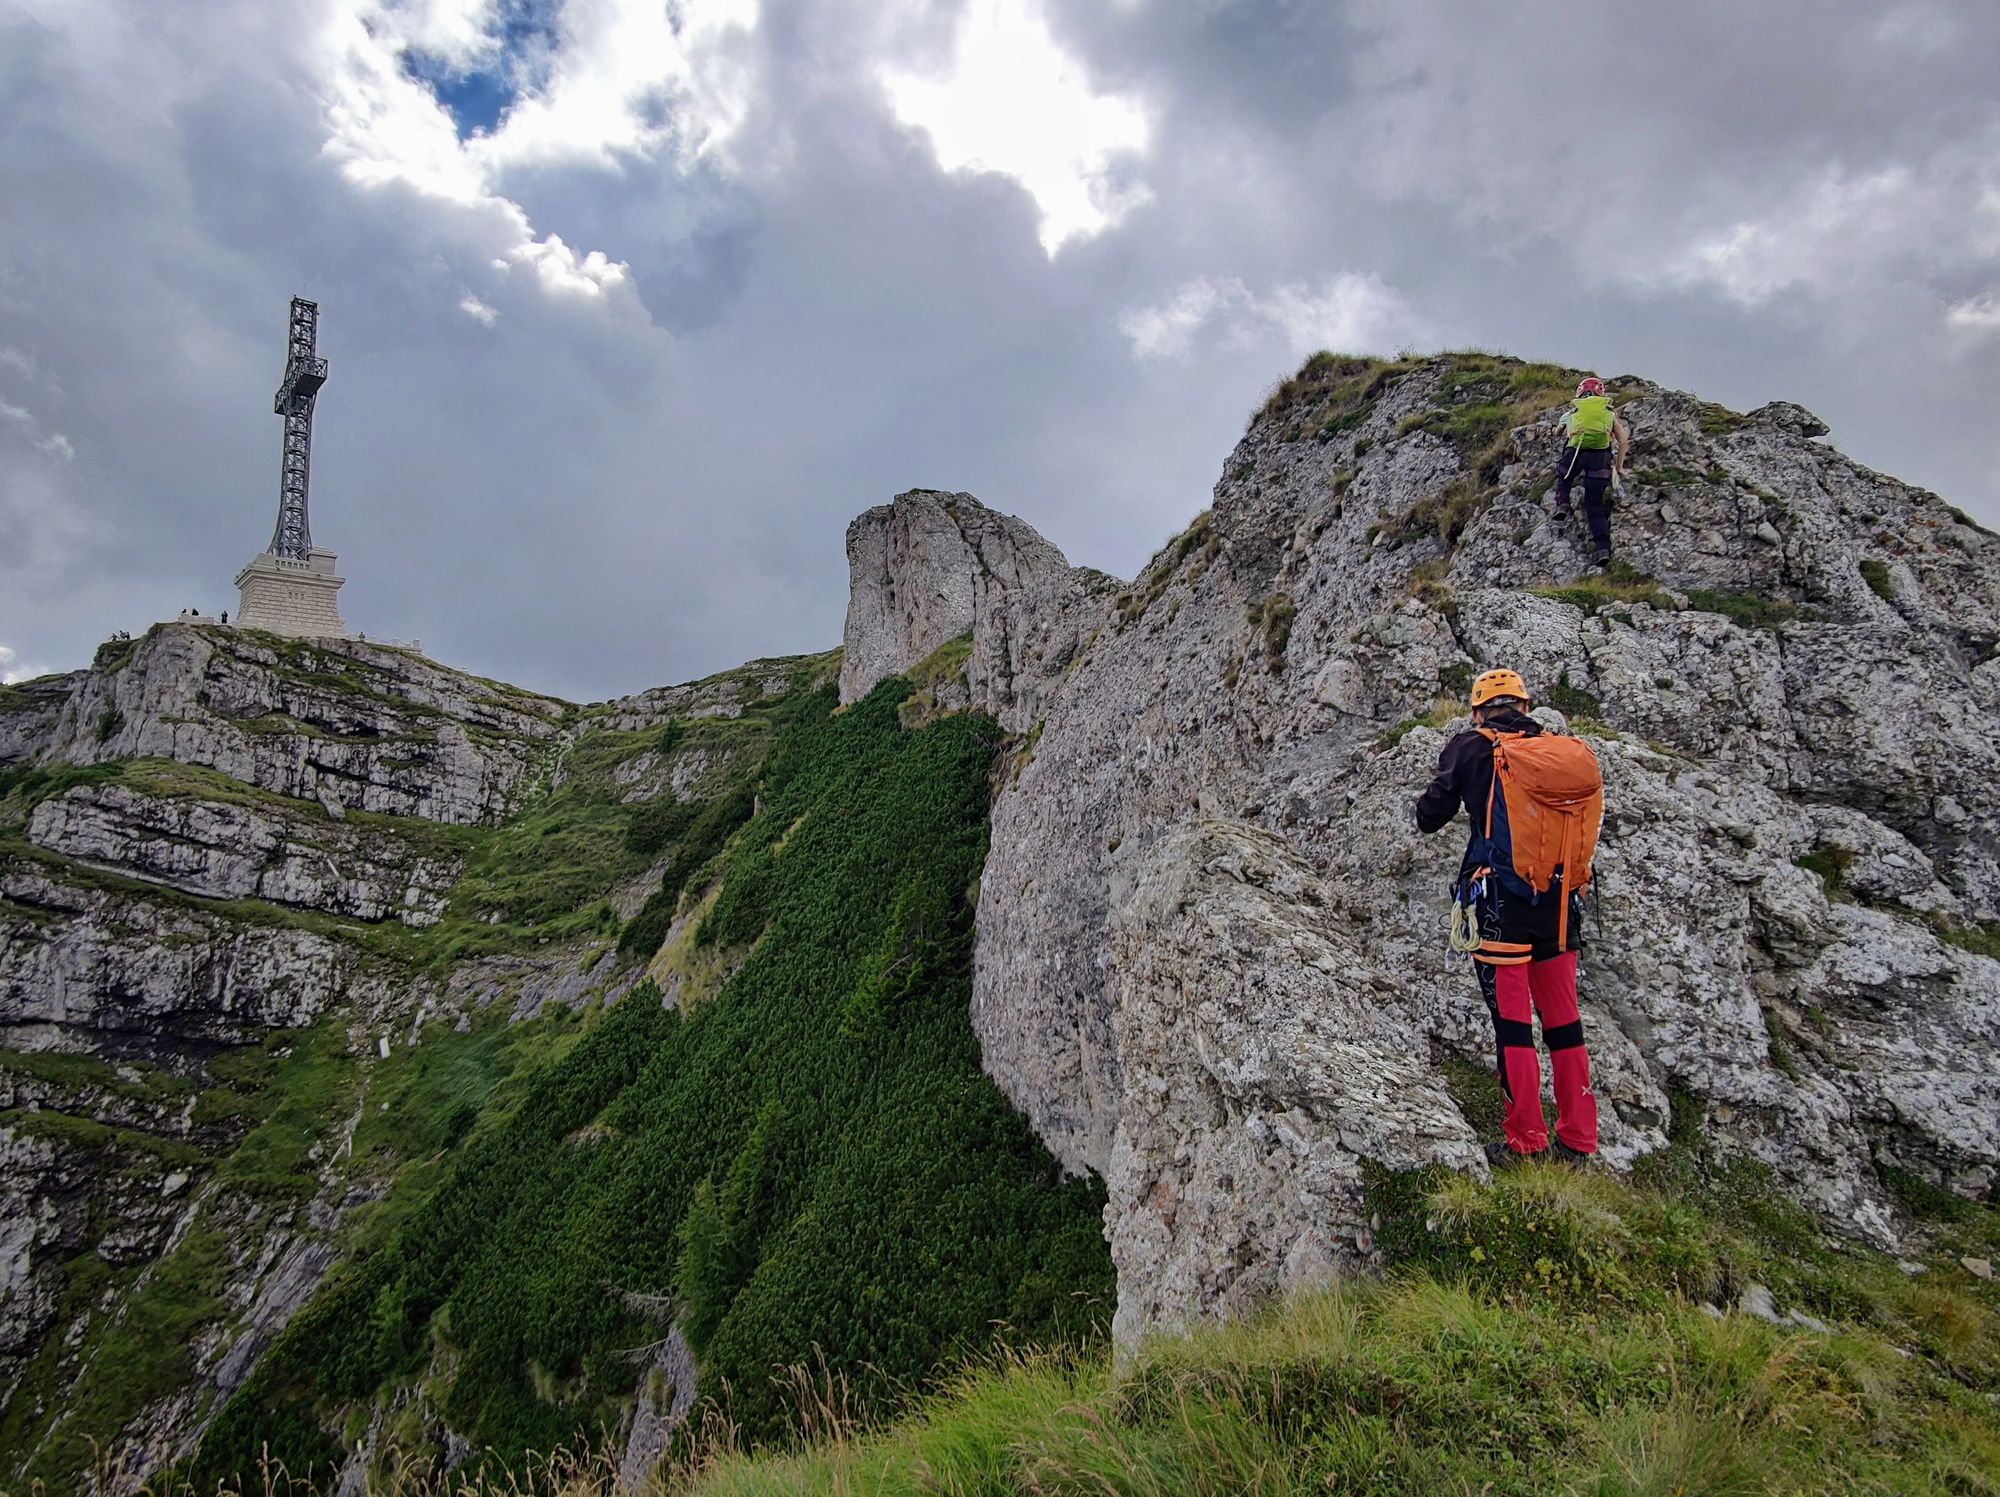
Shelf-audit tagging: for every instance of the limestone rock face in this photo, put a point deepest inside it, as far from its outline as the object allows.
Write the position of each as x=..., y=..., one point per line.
x=258, y=898
x=930, y=567
x=33, y=1230
x=88, y=968
x=270, y=851
x=1254, y=1085
x=365, y=726
x=31, y=712
x=1795, y=694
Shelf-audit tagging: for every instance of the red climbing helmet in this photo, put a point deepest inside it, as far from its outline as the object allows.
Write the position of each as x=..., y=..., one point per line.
x=1591, y=385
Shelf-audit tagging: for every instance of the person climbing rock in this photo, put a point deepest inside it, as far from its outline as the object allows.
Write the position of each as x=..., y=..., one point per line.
x=1597, y=440
x=1535, y=800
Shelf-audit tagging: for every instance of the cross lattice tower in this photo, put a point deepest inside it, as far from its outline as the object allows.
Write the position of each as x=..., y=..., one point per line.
x=305, y=372
x=291, y=586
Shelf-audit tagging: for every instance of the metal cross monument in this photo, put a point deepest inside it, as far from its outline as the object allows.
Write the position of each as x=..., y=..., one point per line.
x=291, y=587
x=305, y=372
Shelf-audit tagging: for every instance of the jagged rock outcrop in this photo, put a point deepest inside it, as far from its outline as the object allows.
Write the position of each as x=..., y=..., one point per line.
x=31, y=713
x=1793, y=687
x=237, y=759
x=931, y=567
x=244, y=768
x=221, y=855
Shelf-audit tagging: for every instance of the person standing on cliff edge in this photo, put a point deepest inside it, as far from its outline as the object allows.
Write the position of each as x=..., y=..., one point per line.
x=1535, y=801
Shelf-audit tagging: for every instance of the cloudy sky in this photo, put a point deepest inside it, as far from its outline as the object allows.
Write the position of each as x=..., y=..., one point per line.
x=632, y=304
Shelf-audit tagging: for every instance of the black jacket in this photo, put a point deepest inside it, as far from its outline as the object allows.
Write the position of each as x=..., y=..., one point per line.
x=1465, y=778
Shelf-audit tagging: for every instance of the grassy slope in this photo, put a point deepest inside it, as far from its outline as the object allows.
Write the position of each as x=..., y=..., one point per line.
x=1548, y=1334
x=813, y=1159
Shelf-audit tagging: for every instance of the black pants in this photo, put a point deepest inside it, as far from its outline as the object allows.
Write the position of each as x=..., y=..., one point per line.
x=1593, y=466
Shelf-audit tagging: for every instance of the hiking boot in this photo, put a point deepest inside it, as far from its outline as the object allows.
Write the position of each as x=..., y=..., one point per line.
x=1501, y=1157
x=1562, y=1153
x=1603, y=556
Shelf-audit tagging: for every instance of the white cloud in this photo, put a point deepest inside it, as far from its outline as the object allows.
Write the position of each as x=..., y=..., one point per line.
x=54, y=443
x=477, y=310
x=1013, y=102
x=618, y=61
x=457, y=32
x=1872, y=169
x=626, y=78
x=11, y=670
x=1807, y=239
x=1976, y=314
x=1845, y=228
x=1350, y=311
x=1346, y=312
x=562, y=271
x=1166, y=330
x=382, y=126
x=1919, y=27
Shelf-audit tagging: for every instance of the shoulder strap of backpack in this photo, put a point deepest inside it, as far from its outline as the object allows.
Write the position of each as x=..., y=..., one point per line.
x=1492, y=736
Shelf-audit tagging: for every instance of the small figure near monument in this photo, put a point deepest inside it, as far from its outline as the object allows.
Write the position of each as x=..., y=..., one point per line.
x=289, y=588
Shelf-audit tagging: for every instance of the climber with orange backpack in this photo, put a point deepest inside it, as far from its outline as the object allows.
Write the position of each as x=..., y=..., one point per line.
x=1535, y=800
x=1596, y=441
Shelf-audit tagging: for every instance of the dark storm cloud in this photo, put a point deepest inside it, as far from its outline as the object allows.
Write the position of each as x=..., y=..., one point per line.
x=595, y=488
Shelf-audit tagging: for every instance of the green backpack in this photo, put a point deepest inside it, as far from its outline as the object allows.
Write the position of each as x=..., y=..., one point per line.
x=1590, y=423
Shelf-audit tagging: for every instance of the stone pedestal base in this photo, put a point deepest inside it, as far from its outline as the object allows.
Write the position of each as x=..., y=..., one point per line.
x=293, y=598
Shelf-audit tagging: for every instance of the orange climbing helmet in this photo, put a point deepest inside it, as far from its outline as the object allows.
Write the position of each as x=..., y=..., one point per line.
x=1589, y=385
x=1490, y=684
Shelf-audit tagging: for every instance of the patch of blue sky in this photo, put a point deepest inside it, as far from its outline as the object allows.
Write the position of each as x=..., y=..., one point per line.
x=524, y=37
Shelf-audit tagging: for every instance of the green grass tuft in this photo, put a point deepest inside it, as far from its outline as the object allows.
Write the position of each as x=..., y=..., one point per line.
x=1337, y=386
x=1619, y=583
x=1748, y=610
x=28, y=785
x=1982, y=939
x=1572, y=701
x=1830, y=862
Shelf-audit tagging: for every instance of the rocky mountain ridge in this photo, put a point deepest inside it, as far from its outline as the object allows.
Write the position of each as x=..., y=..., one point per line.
x=282, y=924
x=1211, y=963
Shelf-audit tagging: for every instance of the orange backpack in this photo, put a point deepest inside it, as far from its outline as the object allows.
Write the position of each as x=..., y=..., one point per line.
x=1554, y=794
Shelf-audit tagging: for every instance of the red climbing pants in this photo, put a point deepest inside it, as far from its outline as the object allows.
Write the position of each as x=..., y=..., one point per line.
x=1551, y=986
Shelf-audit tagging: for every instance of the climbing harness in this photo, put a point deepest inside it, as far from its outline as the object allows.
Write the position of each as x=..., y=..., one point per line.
x=1465, y=895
